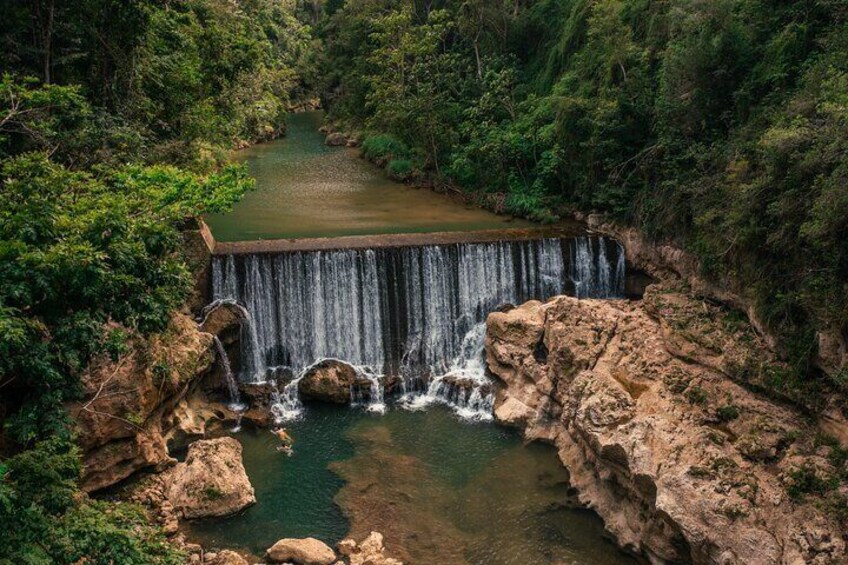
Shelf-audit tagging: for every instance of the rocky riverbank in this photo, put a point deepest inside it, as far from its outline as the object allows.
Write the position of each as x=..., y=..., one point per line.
x=642, y=402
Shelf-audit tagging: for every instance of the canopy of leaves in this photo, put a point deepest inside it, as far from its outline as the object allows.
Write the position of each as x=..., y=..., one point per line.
x=719, y=123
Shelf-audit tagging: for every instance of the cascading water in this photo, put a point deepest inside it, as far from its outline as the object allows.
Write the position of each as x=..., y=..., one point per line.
x=229, y=379
x=400, y=311
x=465, y=387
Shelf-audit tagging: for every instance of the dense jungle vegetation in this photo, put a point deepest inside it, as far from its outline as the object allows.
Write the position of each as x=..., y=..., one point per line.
x=722, y=124
x=115, y=121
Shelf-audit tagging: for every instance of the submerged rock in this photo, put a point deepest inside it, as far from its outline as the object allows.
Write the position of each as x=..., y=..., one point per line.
x=329, y=381
x=211, y=482
x=308, y=551
x=682, y=463
x=226, y=557
x=370, y=551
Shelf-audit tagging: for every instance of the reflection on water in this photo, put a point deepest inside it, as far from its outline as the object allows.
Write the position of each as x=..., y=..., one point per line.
x=440, y=490
x=306, y=189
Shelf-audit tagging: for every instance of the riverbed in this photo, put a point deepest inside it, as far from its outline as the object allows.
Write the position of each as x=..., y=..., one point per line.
x=306, y=189
x=442, y=490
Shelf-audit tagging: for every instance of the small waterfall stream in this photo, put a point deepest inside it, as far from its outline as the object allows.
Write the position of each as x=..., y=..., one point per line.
x=229, y=379
x=413, y=312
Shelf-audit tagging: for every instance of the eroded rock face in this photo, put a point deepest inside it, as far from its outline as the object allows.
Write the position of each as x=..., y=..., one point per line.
x=308, y=551
x=211, y=482
x=681, y=462
x=329, y=381
x=128, y=404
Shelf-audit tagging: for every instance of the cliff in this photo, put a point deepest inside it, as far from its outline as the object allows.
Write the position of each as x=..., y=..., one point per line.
x=643, y=402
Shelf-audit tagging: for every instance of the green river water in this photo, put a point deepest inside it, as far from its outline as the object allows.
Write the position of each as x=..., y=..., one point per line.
x=306, y=189
x=441, y=490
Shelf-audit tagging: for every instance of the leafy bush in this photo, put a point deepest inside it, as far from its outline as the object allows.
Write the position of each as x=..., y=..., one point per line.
x=384, y=148
x=400, y=169
x=78, y=249
x=44, y=519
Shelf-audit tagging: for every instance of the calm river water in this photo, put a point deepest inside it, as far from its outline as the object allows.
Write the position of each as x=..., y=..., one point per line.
x=306, y=189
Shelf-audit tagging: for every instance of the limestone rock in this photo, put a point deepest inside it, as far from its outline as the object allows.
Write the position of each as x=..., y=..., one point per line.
x=370, y=551
x=227, y=557
x=308, y=551
x=682, y=463
x=336, y=140
x=211, y=482
x=223, y=320
x=128, y=404
x=329, y=381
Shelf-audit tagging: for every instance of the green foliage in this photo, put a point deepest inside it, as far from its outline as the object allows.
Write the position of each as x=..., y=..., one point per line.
x=719, y=124
x=806, y=480
x=78, y=249
x=727, y=413
x=400, y=169
x=384, y=148
x=160, y=82
x=44, y=519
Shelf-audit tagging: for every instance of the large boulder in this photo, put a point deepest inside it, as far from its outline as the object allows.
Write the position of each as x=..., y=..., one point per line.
x=211, y=482
x=329, y=381
x=308, y=551
x=645, y=404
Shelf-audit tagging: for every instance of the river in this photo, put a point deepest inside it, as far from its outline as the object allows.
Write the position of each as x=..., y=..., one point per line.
x=306, y=189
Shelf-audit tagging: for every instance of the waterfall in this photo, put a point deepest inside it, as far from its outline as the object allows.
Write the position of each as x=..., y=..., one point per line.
x=254, y=369
x=400, y=311
x=230, y=380
x=465, y=387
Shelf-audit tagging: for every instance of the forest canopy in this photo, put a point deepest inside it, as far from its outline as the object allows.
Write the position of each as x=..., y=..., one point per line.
x=720, y=124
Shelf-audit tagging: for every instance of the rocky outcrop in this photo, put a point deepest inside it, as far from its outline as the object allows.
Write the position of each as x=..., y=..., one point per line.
x=308, y=551
x=664, y=261
x=370, y=551
x=683, y=463
x=336, y=139
x=211, y=482
x=128, y=403
x=329, y=381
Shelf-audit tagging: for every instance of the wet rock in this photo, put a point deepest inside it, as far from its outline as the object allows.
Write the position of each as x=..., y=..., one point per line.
x=336, y=139
x=211, y=482
x=629, y=393
x=258, y=394
x=308, y=551
x=329, y=381
x=225, y=321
